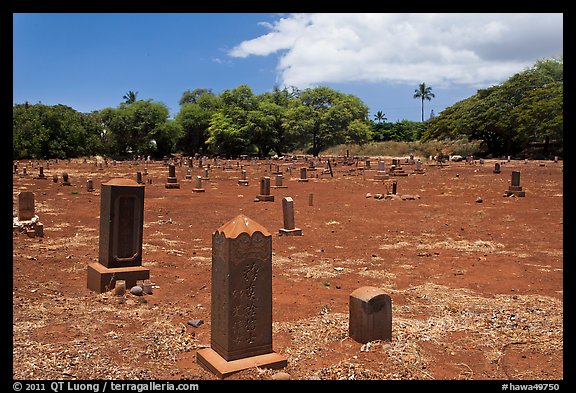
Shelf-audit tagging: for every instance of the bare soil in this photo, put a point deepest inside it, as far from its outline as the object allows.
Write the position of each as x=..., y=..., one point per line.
x=476, y=287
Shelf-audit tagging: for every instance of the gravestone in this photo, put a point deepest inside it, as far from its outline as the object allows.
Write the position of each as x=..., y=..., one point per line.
x=243, y=181
x=370, y=315
x=278, y=181
x=496, y=168
x=65, y=180
x=120, y=242
x=515, y=188
x=139, y=178
x=55, y=178
x=172, y=181
x=206, y=175
x=264, y=195
x=288, y=213
x=25, y=205
x=380, y=171
x=188, y=174
x=89, y=185
x=241, y=300
x=303, y=175
x=41, y=175
x=198, y=187
x=418, y=169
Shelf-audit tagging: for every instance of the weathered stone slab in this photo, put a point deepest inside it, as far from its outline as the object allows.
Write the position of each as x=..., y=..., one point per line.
x=370, y=315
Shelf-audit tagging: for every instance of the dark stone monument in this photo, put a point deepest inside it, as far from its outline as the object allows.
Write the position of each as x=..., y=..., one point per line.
x=241, y=300
x=120, y=243
x=264, y=195
x=370, y=315
x=172, y=181
x=198, y=187
x=41, y=175
x=496, y=168
x=65, y=180
x=515, y=188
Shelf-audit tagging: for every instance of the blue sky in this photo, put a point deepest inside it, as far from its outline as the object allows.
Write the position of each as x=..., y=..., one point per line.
x=88, y=61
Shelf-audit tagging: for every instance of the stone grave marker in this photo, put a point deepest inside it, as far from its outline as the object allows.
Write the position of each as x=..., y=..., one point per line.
x=25, y=205
x=241, y=300
x=303, y=175
x=41, y=175
x=243, y=181
x=65, y=180
x=172, y=181
x=515, y=188
x=380, y=171
x=288, y=214
x=264, y=195
x=139, y=178
x=198, y=187
x=370, y=315
x=496, y=168
x=278, y=181
x=89, y=185
x=120, y=242
x=206, y=174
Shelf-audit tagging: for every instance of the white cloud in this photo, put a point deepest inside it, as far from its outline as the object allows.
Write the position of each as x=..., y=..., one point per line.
x=441, y=49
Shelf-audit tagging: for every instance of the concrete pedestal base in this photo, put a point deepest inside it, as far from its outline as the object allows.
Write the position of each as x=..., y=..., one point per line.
x=172, y=185
x=102, y=279
x=265, y=198
x=290, y=232
x=198, y=190
x=216, y=364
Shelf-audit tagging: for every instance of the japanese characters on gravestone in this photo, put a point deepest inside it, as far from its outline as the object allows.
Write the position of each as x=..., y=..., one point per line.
x=370, y=315
x=288, y=214
x=120, y=243
x=172, y=181
x=241, y=300
x=515, y=188
x=264, y=195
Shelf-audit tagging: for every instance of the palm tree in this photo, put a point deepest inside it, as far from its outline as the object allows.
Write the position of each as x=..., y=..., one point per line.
x=380, y=117
x=423, y=92
x=130, y=97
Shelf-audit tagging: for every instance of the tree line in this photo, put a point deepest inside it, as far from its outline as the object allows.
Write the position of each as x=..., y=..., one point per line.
x=524, y=109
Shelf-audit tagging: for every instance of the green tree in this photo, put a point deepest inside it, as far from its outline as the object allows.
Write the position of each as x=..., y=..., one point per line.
x=424, y=93
x=380, y=117
x=130, y=97
x=525, y=108
x=134, y=126
x=225, y=135
x=192, y=97
x=321, y=117
x=194, y=119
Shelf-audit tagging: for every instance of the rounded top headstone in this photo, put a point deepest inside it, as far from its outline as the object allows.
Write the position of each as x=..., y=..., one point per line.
x=122, y=182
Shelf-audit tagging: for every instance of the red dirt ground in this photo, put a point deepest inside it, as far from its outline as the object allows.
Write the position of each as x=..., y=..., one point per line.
x=476, y=286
